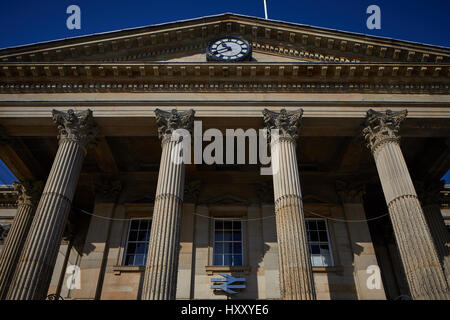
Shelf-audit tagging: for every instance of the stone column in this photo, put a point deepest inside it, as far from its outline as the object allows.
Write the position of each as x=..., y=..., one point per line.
x=28, y=197
x=34, y=270
x=423, y=271
x=160, y=279
x=430, y=197
x=296, y=277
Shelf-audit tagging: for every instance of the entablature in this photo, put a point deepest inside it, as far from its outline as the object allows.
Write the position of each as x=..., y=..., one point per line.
x=237, y=77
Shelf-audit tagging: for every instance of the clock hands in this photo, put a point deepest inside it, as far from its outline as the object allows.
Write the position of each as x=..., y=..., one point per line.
x=228, y=49
x=222, y=50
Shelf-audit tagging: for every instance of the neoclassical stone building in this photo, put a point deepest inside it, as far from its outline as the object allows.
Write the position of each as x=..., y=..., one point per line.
x=101, y=212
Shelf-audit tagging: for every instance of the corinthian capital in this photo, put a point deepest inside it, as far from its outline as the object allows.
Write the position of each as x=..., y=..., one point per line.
x=169, y=121
x=76, y=126
x=287, y=122
x=28, y=193
x=382, y=127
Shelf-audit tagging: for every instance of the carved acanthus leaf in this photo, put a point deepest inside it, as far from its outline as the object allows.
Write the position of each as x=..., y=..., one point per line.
x=381, y=127
x=169, y=121
x=28, y=192
x=286, y=122
x=76, y=126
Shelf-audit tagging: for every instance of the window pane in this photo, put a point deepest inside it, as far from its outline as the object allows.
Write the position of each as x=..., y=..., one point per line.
x=131, y=248
x=218, y=260
x=237, y=248
x=143, y=236
x=129, y=260
x=133, y=236
x=219, y=224
x=316, y=261
x=218, y=236
x=141, y=248
x=138, y=239
x=237, y=236
x=227, y=247
x=144, y=224
x=218, y=248
x=315, y=249
x=236, y=225
x=134, y=224
x=319, y=245
x=139, y=260
x=327, y=260
x=323, y=236
x=227, y=261
x=321, y=225
x=324, y=249
x=228, y=225
x=227, y=236
x=237, y=260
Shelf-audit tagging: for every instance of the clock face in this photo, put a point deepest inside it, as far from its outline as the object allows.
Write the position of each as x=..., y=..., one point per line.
x=229, y=49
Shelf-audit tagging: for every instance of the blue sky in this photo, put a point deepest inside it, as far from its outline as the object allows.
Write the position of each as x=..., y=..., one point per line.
x=24, y=22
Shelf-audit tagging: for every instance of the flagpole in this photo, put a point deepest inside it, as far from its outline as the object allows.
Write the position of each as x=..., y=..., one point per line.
x=265, y=9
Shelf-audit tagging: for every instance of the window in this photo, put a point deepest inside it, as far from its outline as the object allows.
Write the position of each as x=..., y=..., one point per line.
x=319, y=243
x=227, y=250
x=137, y=242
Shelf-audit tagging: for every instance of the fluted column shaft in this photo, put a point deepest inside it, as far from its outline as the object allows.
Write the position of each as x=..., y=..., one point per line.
x=28, y=194
x=34, y=270
x=419, y=257
x=160, y=279
x=440, y=234
x=296, y=276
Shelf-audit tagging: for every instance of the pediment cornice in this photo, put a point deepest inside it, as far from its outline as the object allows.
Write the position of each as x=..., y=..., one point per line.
x=191, y=36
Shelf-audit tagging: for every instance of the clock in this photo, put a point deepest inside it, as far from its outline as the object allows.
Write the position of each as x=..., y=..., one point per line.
x=229, y=49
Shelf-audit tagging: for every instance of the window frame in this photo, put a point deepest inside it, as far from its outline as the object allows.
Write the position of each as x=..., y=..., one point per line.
x=125, y=251
x=243, y=249
x=332, y=261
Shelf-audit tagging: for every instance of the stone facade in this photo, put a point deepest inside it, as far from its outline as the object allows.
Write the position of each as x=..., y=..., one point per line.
x=119, y=219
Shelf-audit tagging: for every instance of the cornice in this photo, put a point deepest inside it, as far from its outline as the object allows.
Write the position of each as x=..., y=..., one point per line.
x=284, y=39
x=199, y=77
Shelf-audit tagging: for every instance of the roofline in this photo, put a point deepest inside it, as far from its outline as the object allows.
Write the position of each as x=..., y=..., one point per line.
x=228, y=15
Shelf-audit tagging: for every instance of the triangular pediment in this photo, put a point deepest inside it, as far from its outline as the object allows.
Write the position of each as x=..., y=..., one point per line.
x=185, y=41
